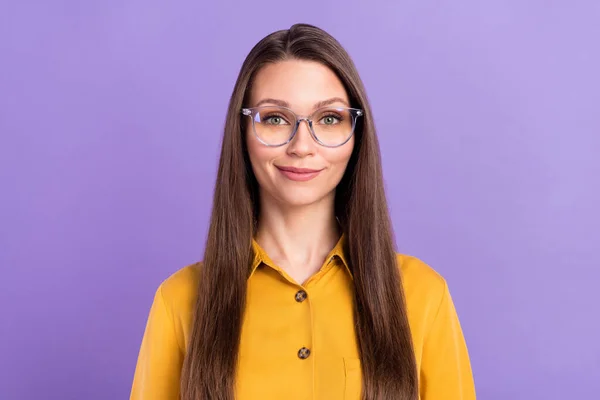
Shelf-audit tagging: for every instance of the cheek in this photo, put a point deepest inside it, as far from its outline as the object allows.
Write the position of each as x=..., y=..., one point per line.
x=339, y=157
x=251, y=148
x=260, y=156
x=255, y=149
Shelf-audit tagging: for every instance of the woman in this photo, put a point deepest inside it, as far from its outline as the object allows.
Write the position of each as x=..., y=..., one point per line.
x=301, y=295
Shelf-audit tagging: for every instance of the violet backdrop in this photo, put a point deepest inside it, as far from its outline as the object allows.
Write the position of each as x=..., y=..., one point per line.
x=110, y=120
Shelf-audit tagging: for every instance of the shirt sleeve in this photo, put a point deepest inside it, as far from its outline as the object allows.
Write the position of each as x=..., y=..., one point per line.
x=445, y=368
x=158, y=370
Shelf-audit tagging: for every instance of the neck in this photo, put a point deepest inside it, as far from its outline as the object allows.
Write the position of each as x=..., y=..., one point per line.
x=297, y=238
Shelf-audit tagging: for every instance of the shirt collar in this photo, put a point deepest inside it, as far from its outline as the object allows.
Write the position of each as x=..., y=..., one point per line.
x=340, y=251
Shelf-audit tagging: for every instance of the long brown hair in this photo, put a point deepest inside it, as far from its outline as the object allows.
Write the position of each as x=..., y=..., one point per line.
x=386, y=353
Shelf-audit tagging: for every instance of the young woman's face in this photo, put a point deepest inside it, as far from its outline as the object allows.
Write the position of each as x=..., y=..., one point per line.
x=302, y=171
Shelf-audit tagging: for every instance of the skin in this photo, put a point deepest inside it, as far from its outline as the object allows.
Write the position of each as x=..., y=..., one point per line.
x=297, y=225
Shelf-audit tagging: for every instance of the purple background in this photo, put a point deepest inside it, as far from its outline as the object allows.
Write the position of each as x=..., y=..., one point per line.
x=110, y=119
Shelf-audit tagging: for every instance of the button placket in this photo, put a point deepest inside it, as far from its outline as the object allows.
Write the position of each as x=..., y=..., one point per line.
x=300, y=297
x=306, y=360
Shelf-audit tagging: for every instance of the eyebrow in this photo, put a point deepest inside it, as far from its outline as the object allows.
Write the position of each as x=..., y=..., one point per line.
x=319, y=104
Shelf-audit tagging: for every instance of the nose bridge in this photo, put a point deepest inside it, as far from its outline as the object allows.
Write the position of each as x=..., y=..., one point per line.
x=306, y=122
x=303, y=141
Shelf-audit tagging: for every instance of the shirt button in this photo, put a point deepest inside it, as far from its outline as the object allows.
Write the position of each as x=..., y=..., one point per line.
x=303, y=353
x=300, y=296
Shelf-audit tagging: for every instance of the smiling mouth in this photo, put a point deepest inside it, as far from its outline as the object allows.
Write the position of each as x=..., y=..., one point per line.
x=298, y=174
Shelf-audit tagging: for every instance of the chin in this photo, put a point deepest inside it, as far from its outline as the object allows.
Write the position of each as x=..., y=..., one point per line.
x=299, y=198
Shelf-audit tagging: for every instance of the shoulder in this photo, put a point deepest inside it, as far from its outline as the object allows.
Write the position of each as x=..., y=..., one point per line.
x=416, y=272
x=424, y=288
x=179, y=290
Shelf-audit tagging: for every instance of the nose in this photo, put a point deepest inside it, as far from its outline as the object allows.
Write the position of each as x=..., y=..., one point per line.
x=303, y=143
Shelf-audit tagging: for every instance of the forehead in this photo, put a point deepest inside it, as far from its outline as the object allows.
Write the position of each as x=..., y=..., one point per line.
x=300, y=83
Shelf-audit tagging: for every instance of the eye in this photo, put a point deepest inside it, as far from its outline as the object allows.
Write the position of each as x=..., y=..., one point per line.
x=275, y=120
x=330, y=119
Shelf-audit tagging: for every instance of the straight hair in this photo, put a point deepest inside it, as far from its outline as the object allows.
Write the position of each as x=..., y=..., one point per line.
x=381, y=322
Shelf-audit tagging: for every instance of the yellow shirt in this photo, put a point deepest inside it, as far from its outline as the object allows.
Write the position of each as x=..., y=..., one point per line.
x=284, y=319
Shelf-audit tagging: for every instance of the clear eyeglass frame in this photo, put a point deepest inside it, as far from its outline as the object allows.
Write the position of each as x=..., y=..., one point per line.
x=354, y=112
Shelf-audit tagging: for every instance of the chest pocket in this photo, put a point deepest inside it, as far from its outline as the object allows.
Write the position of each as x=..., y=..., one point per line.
x=353, y=385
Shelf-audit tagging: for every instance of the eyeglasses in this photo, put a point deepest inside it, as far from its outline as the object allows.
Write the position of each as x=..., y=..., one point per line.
x=276, y=126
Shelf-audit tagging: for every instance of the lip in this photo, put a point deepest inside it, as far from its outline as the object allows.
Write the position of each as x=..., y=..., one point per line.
x=299, y=174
